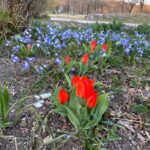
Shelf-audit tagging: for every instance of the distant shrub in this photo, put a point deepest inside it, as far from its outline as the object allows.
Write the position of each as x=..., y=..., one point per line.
x=9, y=25
x=114, y=26
x=37, y=8
x=144, y=29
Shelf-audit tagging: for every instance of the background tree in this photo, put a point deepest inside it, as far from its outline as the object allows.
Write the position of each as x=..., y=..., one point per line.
x=141, y=5
x=132, y=3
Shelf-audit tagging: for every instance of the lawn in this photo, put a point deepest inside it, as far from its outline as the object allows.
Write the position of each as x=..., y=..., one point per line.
x=75, y=87
x=138, y=18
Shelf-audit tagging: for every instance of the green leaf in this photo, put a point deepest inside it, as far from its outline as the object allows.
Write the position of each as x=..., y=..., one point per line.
x=60, y=110
x=68, y=80
x=98, y=148
x=86, y=49
x=73, y=119
x=98, y=111
x=84, y=115
x=4, y=103
x=69, y=65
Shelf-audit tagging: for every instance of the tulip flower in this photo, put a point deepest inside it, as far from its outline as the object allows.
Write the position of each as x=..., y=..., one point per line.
x=67, y=59
x=75, y=80
x=85, y=90
x=29, y=46
x=63, y=96
x=91, y=99
x=85, y=58
x=80, y=89
x=92, y=45
x=91, y=102
x=104, y=47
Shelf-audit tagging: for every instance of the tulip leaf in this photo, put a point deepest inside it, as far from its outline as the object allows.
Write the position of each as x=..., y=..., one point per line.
x=68, y=80
x=4, y=102
x=84, y=115
x=98, y=111
x=69, y=65
x=86, y=49
x=60, y=111
x=73, y=119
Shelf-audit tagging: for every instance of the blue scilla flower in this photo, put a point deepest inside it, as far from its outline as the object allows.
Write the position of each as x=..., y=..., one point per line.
x=127, y=50
x=7, y=43
x=57, y=61
x=25, y=65
x=15, y=59
x=40, y=69
x=58, y=46
x=24, y=40
x=56, y=54
x=64, y=45
x=78, y=42
x=115, y=37
x=75, y=35
x=15, y=49
x=73, y=70
x=38, y=45
x=101, y=41
x=91, y=56
x=47, y=40
x=30, y=59
x=140, y=51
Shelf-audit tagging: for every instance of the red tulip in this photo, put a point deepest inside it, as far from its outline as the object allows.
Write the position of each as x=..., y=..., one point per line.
x=80, y=89
x=85, y=58
x=84, y=89
x=91, y=102
x=92, y=45
x=104, y=47
x=67, y=59
x=29, y=46
x=63, y=96
x=75, y=80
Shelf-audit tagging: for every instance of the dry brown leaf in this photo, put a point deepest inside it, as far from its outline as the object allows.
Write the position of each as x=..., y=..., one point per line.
x=141, y=138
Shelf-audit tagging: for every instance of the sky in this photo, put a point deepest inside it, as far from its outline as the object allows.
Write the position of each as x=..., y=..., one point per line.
x=147, y=1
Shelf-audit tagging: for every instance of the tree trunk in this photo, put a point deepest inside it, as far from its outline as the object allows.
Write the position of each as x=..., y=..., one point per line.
x=68, y=6
x=141, y=5
x=131, y=8
x=88, y=9
x=81, y=6
x=11, y=7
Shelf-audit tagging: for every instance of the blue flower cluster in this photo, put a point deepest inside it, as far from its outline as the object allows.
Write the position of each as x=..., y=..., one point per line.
x=51, y=39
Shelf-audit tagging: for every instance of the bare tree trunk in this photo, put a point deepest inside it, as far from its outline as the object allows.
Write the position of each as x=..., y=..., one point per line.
x=132, y=3
x=131, y=8
x=122, y=6
x=82, y=7
x=68, y=6
x=11, y=7
x=87, y=11
x=141, y=5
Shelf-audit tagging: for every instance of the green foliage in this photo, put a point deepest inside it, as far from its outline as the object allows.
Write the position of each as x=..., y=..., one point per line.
x=25, y=52
x=100, y=27
x=140, y=109
x=4, y=105
x=133, y=83
x=9, y=25
x=144, y=29
x=4, y=102
x=116, y=25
